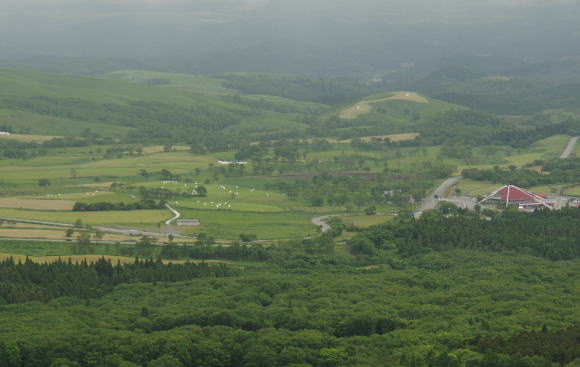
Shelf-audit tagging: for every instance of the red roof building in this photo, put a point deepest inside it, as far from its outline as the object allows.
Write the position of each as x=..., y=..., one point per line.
x=511, y=194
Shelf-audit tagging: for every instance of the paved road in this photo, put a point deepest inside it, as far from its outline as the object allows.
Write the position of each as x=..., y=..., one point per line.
x=570, y=148
x=65, y=240
x=127, y=232
x=320, y=221
x=430, y=202
x=465, y=202
x=177, y=214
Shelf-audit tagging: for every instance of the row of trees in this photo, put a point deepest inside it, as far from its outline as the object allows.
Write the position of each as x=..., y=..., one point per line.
x=28, y=280
x=106, y=206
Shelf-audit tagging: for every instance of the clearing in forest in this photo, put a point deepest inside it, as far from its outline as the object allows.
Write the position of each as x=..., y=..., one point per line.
x=364, y=107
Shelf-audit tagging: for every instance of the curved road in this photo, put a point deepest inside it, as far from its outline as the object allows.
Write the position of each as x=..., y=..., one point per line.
x=175, y=212
x=430, y=202
x=570, y=148
x=320, y=221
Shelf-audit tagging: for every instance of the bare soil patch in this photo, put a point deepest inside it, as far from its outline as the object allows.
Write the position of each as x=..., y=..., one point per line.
x=364, y=107
x=36, y=204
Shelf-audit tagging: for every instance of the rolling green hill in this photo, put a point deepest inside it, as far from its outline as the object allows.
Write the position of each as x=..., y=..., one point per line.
x=386, y=113
x=140, y=105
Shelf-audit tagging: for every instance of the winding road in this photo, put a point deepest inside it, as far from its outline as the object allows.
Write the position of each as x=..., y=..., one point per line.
x=175, y=212
x=320, y=221
x=570, y=148
x=431, y=201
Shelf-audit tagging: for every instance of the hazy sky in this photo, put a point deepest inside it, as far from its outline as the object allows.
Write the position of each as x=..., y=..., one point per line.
x=253, y=34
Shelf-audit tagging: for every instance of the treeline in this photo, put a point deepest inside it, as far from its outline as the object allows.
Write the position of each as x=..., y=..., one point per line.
x=561, y=171
x=561, y=346
x=254, y=252
x=362, y=189
x=552, y=234
x=144, y=204
x=13, y=149
x=30, y=281
x=300, y=88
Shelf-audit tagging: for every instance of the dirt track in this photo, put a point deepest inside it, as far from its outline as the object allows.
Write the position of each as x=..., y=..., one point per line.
x=570, y=148
x=364, y=107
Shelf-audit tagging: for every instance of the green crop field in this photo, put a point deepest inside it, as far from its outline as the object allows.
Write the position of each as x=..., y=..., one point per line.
x=229, y=225
x=476, y=188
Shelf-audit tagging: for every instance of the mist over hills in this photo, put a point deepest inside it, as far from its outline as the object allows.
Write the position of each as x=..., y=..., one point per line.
x=338, y=38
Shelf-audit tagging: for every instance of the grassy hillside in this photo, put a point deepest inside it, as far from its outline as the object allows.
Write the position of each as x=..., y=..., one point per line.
x=144, y=106
x=190, y=82
x=385, y=113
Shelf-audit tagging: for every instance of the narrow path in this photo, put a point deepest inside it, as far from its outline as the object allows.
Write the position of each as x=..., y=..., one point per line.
x=570, y=148
x=177, y=214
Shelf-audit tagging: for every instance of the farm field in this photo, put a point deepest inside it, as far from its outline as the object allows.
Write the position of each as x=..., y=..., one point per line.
x=476, y=188
x=253, y=199
x=573, y=191
x=233, y=205
x=131, y=219
x=364, y=221
x=87, y=258
x=56, y=234
x=28, y=138
x=229, y=225
x=36, y=204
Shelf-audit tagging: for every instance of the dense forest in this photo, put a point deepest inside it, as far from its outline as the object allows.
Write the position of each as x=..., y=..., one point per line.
x=553, y=234
x=552, y=172
x=308, y=306
x=30, y=281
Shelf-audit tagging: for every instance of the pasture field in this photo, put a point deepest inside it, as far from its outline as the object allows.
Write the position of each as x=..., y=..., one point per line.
x=365, y=220
x=87, y=197
x=477, y=188
x=36, y=204
x=229, y=225
x=61, y=167
x=548, y=148
x=573, y=191
x=234, y=205
x=160, y=148
x=546, y=189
